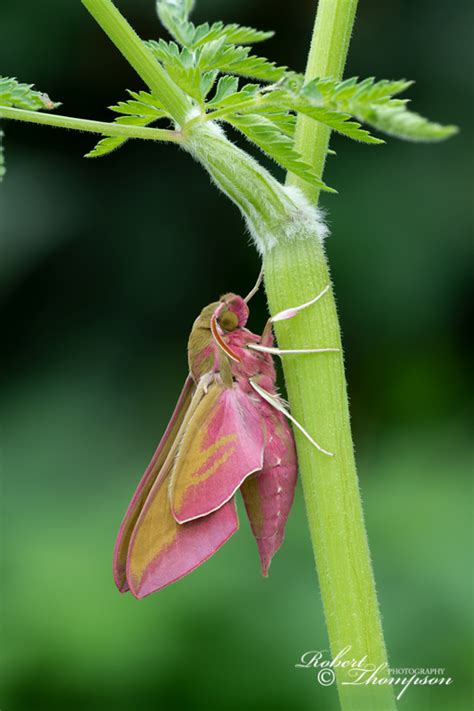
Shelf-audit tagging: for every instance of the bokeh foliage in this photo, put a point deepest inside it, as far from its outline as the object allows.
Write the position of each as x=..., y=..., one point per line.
x=104, y=265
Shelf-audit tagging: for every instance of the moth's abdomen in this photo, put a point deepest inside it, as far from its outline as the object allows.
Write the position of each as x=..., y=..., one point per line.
x=268, y=495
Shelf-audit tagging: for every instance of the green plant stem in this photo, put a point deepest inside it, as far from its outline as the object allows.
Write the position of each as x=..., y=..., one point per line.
x=295, y=271
x=102, y=127
x=140, y=57
x=326, y=59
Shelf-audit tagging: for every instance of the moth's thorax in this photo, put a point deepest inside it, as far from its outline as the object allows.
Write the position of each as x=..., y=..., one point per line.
x=230, y=315
x=252, y=363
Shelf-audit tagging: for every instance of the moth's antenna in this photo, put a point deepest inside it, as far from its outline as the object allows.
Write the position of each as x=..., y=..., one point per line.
x=255, y=288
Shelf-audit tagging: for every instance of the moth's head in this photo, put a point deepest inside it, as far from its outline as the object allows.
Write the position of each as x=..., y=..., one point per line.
x=232, y=312
x=215, y=320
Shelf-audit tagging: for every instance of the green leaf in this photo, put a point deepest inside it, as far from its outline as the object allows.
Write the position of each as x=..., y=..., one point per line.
x=254, y=67
x=338, y=121
x=20, y=96
x=373, y=103
x=271, y=140
x=23, y=96
x=227, y=86
x=174, y=15
x=181, y=8
x=105, y=145
x=401, y=123
x=207, y=82
x=142, y=104
x=284, y=121
x=231, y=34
x=141, y=110
x=181, y=66
x=351, y=94
x=237, y=60
x=181, y=30
x=186, y=67
x=228, y=96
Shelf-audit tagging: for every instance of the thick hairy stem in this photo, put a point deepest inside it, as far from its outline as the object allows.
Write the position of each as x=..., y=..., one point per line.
x=295, y=271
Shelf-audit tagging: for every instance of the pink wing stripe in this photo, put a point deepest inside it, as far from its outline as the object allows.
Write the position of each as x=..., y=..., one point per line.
x=192, y=545
x=143, y=488
x=226, y=449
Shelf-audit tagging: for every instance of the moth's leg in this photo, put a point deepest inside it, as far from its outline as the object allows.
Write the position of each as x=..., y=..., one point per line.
x=206, y=380
x=266, y=339
x=274, y=402
x=294, y=310
x=290, y=351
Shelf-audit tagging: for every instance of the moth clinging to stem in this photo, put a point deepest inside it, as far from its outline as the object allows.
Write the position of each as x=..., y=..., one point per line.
x=229, y=431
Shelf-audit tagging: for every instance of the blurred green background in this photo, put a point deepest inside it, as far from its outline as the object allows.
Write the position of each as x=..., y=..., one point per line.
x=104, y=266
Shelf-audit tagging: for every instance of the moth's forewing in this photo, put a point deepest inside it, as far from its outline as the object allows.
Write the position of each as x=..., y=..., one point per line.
x=268, y=495
x=161, y=551
x=152, y=472
x=223, y=445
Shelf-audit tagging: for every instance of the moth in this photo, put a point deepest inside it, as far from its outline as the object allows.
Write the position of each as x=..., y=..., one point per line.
x=229, y=430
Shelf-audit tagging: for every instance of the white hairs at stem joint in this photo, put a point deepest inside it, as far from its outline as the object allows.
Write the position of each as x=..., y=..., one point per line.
x=307, y=215
x=301, y=221
x=273, y=213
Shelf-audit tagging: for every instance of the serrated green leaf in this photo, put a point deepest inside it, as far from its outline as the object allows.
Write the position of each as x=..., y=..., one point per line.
x=181, y=8
x=338, y=121
x=277, y=145
x=231, y=34
x=207, y=82
x=165, y=52
x=174, y=16
x=20, y=96
x=111, y=143
x=227, y=97
x=254, y=67
x=23, y=96
x=186, y=67
x=147, y=98
x=181, y=66
x=137, y=108
x=106, y=145
x=226, y=86
x=212, y=54
x=142, y=110
x=408, y=125
x=141, y=104
x=266, y=101
x=284, y=121
x=236, y=60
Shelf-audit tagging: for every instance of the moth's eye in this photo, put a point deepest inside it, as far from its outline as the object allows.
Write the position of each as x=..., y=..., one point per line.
x=228, y=320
